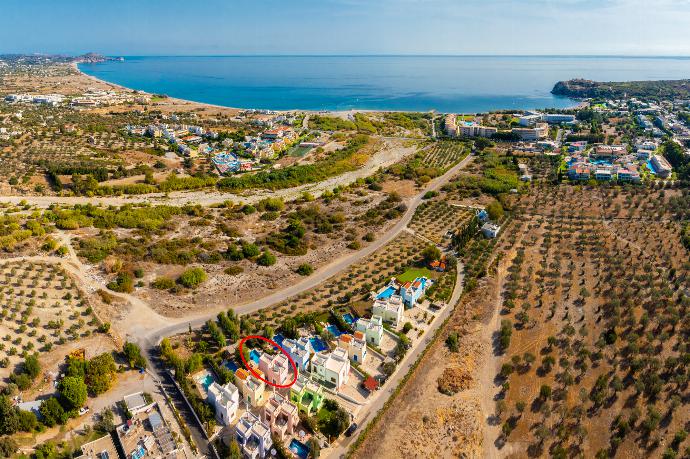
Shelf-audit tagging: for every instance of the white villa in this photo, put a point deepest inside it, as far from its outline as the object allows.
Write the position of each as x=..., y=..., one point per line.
x=355, y=345
x=390, y=309
x=226, y=400
x=372, y=329
x=333, y=368
x=253, y=436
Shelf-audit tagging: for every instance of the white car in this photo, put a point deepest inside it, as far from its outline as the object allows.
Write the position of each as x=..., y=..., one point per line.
x=83, y=410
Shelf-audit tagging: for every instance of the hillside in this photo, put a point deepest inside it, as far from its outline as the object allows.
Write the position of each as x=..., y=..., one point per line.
x=580, y=89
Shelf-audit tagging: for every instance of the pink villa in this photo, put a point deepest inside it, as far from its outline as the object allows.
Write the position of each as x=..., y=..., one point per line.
x=282, y=415
x=276, y=368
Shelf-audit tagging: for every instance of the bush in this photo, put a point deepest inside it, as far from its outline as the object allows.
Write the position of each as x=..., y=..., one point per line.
x=133, y=354
x=122, y=283
x=266, y=259
x=407, y=327
x=233, y=270
x=163, y=283
x=192, y=277
x=305, y=269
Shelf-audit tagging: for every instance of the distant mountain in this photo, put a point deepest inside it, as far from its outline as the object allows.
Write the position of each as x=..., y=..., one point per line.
x=665, y=89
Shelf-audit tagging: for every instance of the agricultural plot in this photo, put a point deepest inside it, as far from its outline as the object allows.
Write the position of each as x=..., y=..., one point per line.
x=433, y=219
x=41, y=308
x=591, y=333
x=352, y=286
x=445, y=154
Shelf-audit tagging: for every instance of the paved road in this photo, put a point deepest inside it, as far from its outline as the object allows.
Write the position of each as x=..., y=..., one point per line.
x=153, y=338
x=367, y=414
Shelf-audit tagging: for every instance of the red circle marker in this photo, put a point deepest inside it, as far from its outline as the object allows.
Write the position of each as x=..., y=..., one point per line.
x=274, y=344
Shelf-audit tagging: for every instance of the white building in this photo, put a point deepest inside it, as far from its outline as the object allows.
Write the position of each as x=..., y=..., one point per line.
x=450, y=126
x=538, y=132
x=390, y=310
x=529, y=120
x=355, y=345
x=333, y=368
x=661, y=166
x=372, y=329
x=490, y=229
x=226, y=400
x=557, y=118
x=254, y=436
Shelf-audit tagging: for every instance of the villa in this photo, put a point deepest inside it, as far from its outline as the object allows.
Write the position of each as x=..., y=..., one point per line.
x=333, y=368
x=276, y=367
x=411, y=292
x=307, y=395
x=355, y=345
x=390, y=309
x=251, y=387
x=372, y=329
x=490, y=230
x=300, y=351
x=253, y=436
x=226, y=400
x=282, y=415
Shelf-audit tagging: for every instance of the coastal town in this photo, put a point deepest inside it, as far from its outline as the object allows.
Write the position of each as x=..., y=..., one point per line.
x=185, y=280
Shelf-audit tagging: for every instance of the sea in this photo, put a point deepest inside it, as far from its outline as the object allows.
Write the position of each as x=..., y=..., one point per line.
x=458, y=84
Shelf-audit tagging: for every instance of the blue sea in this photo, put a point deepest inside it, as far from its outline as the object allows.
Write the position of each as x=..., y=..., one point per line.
x=461, y=84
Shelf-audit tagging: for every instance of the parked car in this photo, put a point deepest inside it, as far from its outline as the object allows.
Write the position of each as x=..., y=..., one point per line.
x=350, y=430
x=83, y=410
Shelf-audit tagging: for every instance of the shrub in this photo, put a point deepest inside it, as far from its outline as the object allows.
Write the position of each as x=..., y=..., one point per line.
x=122, y=283
x=266, y=259
x=163, y=283
x=192, y=277
x=305, y=269
x=233, y=270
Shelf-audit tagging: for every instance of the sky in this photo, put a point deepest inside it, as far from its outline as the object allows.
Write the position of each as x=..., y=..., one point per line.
x=458, y=27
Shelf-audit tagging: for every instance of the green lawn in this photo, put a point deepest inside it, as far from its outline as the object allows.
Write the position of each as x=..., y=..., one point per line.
x=413, y=273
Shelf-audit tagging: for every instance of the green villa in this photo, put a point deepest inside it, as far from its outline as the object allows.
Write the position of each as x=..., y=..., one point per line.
x=307, y=395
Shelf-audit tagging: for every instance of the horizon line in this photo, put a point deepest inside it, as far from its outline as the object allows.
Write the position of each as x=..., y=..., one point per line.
x=615, y=56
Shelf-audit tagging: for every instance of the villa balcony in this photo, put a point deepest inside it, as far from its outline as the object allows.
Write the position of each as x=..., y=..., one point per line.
x=251, y=449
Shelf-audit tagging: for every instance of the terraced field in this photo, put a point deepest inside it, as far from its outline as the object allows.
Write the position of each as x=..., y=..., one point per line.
x=434, y=219
x=445, y=154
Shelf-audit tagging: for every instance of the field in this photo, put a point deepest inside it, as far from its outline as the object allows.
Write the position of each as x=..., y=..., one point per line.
x=43, y=308
x=445, y=154
x=592, y=334
x=433, y=219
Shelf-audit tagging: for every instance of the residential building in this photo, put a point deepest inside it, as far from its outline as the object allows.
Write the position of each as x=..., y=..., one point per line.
x=450, y=126
x=276, y=367
x=472, y=129
x=281, y=415
x=253, y=436
x=355, y=345
x=372, y=329
x=390, y=309
x=332, y=368
x=147, y=434
x=661, y=166
x=530, y=119
x=602, y=173
x=557, y=118
x=490, y=230
x=300, y=351
x=226, y=401
x=411, y=292
x=307, y=395
x=102, y=448
x=609, y=151
x=540, y=131
x=252, y=388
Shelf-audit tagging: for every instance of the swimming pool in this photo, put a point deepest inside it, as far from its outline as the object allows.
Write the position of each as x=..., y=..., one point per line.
x=349, y=318
x=255, y=356
x=650, y=166
x=299, y=448
x=279, y=339
x=387, y=293
x=317, y=344
x=335, y=331
x=230, y=365
x=205, y=381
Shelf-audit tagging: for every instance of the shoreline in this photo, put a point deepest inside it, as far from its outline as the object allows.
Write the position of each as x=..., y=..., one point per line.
x=578, y=104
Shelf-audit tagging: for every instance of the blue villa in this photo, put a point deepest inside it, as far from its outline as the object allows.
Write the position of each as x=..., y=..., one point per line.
x=409, y=292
